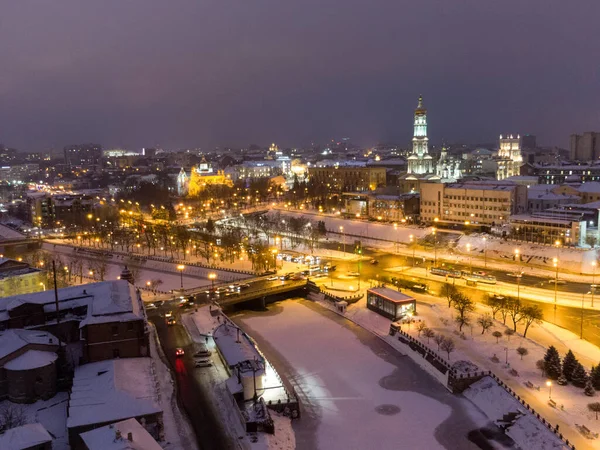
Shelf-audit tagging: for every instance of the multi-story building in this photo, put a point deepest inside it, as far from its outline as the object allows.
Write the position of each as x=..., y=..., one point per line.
x=585, y=147
x=347, y=178
x=487, y=203
x=510, y=158
x=17, y=277
x=40, y=208
x=19, y=173
x=104, y=320
x=385, y=207
x=83, y=155
x=559, y=173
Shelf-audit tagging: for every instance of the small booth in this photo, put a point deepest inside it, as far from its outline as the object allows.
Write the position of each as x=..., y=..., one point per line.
x=390, y=303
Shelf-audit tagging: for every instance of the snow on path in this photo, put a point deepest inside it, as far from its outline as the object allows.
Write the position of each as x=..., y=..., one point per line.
x=341, y=376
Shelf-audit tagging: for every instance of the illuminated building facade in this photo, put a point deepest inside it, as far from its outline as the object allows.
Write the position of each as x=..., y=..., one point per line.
x=420, y=161
x=510, y=158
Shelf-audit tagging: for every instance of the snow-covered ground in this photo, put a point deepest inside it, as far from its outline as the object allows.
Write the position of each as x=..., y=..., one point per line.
x=357, y=394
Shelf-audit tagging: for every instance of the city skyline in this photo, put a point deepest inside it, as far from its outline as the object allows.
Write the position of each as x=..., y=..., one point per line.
x=147, y=74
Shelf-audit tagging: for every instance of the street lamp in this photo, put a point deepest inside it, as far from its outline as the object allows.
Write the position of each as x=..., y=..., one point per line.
x=181, y=267
x=519, y=273
x=594, y=264
x=549, y=384
x=485, y=252
x=43, y=286
x=274, y=252
x=344, y=237
x=555, y=262
x=212, y=277
x=470, y=260
x=396, y=233
x=434, y=247
x=412, y=238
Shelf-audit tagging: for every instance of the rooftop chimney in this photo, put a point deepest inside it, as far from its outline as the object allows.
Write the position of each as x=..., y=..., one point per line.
x=130, y=436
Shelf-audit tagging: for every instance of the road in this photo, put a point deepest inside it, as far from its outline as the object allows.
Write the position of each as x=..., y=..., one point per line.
x=193, y=385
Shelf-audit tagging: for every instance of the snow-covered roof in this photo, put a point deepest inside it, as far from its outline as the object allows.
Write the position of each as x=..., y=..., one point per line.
x=112, y=390
x=25, y=436
x=105, y=438
x=15, y=339
x=590, y=187
x=234, y=351
x=392, y=295
x=31, y=359
x=107, y=301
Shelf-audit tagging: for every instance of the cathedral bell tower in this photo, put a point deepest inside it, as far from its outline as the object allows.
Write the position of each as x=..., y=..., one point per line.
x=420, y=161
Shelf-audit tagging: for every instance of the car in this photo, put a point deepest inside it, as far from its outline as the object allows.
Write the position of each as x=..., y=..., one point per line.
x=150, y=306
x=171, y=321
x=244, y=286
x=169, y=314
x=202, y=353
x=159, y=303
x=514, y=274
x=353, y=274
x=179, y=352
x=373, y=261
x=320, y=275
x=220, y=290
x=273, y=278
x=559, y=282
x=203, y=363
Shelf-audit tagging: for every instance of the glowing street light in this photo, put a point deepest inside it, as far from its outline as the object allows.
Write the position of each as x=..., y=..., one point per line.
x=181, y=268
x=344, y=237
x=549, y=384
x=212, y=277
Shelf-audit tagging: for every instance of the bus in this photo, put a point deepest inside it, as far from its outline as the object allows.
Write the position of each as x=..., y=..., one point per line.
x=445, y=272
x=479, y=277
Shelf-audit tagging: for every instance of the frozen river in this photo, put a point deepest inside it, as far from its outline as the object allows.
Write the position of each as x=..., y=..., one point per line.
x=357, y=392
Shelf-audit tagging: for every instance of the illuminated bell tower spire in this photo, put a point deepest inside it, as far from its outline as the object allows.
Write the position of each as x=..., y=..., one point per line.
x=420, y=162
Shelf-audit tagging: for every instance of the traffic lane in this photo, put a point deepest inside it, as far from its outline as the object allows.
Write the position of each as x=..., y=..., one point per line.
x=191, y=393
x=570, y=318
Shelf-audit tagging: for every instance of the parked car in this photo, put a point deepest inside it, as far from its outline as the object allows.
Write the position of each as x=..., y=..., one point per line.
x=179, y=352
x=273, y=278
x=171, y=321
x=374, y=261
x=169, y=314
x=203, y=363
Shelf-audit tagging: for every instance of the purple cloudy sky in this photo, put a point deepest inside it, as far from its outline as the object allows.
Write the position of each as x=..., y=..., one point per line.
x=182, y=73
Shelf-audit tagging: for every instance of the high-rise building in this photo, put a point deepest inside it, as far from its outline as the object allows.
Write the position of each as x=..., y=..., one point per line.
x=585, y=147
x=510, y=158
x=420, y=161
x=83, y=155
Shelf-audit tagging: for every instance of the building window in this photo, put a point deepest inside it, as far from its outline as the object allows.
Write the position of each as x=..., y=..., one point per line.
x=115, y=330
x=116, y=353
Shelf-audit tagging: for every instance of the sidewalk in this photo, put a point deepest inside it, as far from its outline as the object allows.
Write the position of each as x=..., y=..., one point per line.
x=479, y=349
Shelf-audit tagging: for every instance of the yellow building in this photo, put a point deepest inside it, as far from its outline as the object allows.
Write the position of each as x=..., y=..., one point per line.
x=199, y=181
x=19, y=278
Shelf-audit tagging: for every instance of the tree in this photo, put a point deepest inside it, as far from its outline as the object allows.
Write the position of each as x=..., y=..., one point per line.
x=589, y=388
x=594, y=407
x=515, y=310
x=522, y=351
x=541, y=365
x=508, y=332
x=462, y=321
x=210, y=226
x=591, y=241
x=428, y=333
x=449, y=291
x=463, y=306
x=11, y=416
x=438, y=339
x=448, y=346
x=568, y=365
x=552, y=363
x=485, y=322
x=495, y=303
x=420, y=327
x=497, y=335
x=531, y=314
x=595, y=377
x=579, y=377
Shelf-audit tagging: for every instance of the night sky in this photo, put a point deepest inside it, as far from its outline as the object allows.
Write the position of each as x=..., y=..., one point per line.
x=196, y=73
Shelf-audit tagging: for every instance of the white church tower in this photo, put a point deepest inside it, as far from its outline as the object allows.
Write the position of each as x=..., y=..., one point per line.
x=420, y=161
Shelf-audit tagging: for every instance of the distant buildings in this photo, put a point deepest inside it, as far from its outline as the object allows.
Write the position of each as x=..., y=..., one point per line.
x=585, y=147
x=17, y=277
x=348, y=178
x=83, y=155
x=420, y=161
x=509, y=158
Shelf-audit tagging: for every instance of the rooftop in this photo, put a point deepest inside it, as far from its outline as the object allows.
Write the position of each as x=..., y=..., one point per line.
x=107, y=301
x=25, y=436
x=112, y=390
x=392, y=295
x=31, y=359
x=105, y=438
x=15, y=339
x=235, y=351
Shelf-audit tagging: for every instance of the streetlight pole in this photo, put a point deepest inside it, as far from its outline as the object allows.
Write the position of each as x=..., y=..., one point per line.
x=581, y=322
x=212, y=277
x=181, y=268
x=555, y=261
x=485, y=252
x=413, y=246
x=434, y=247
x=594, y=264
x=519, y=273
x=470, y=260
x=549, y=384
x=344, y=238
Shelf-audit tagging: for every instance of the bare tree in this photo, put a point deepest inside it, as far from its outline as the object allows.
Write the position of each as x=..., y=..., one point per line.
x=420, y=327
x=463, y=306
x=497, y=335
x=522, y=351
x=462, y=321
x=541, y=365
x=428, y=333
x=448, y=346
x=508, y=332
x=438, y=339
x=449, y=291
x=495, y=303
x=594, y=407
x=515, y=309
x=531, y=314
x=485, y=322
x=11, y=416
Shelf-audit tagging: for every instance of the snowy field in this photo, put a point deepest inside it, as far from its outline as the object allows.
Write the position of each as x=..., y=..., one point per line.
x=356, y=390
